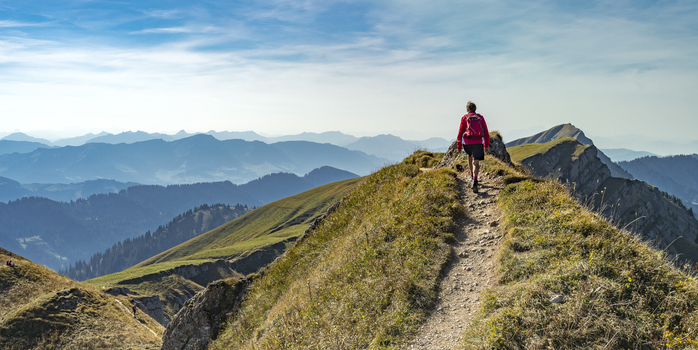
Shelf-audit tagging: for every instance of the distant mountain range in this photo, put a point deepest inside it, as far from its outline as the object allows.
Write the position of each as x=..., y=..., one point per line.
x=58, y=233
x=569, y=130
x=624, y=154
x=199, y=158
x=674, y=174
x=663, y=147
x=182, y=228
x=383, y=146
x=11, y=189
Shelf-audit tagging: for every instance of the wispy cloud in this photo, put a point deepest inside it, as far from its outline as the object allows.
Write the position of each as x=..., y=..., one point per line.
x=283, y=66
x=179, y=30
x=17, y=24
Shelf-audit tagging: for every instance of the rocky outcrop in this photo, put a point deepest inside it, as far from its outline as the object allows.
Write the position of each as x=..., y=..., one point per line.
x=260, y=258
x=628, y=203
x=569, y=130
x=200, y=319
x=152, y=305
x=200, y=273
x=497, y=150
x=571, y=163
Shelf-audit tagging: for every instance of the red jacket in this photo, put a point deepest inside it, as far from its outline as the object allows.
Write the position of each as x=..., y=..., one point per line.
x=460, y=140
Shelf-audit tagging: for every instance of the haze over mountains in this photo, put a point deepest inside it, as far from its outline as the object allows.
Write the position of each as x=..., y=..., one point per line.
x=674, y=174
x=383, y=146
x=58, y=233
x=199, y=158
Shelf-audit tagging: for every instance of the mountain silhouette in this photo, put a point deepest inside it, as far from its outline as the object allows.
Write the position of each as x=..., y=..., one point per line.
x=199, y=158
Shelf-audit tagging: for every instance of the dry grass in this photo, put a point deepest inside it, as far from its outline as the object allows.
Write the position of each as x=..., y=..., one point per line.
x=620, y=293
x=364, y=278
x=33, y=313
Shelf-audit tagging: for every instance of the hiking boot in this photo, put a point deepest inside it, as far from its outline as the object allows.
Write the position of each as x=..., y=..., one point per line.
x=474, y=185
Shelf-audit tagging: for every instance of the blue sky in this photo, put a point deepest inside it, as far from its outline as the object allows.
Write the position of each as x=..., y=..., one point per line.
x=360, y=67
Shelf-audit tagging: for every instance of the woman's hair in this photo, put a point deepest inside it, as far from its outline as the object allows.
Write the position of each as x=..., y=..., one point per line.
x=471, y=107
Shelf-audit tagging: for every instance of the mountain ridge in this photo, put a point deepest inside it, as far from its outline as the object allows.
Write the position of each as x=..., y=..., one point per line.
x=59, y=236
x=199, y=158
x=569, y=130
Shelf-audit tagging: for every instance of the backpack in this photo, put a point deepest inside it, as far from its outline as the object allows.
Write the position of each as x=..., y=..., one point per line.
x=474, y=128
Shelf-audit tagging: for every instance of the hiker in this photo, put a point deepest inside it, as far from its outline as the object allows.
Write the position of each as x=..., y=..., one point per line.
x=134, y=307
x=474, y=139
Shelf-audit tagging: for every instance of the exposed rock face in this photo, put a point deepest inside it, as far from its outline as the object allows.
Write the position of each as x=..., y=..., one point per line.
x=149, y=305
x=153, y=307
x=572, y=164
x=624, y=202
x=119, y=291
x=68, y=300
x=199, y=273
x=497, y=150
x=202, y=316
x=569, y=130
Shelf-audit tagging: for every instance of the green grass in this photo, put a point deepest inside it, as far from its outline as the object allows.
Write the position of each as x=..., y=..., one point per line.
x=267, y=225
x=260, y=228
x=364, y=278
x=620, y=294
x=519, y=153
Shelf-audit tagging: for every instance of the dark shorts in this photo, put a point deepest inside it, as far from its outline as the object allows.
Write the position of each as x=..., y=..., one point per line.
x=477, y=151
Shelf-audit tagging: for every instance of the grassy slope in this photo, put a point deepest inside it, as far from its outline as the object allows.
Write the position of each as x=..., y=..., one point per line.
x=261, y=227
x=619, y=292
x=519, y=153
x=31, y=316
x=364, y=278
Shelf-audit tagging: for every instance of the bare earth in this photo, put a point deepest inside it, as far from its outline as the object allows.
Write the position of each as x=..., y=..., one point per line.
x=472, y=270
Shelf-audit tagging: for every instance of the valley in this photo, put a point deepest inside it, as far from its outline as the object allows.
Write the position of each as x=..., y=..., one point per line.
x=392, y=259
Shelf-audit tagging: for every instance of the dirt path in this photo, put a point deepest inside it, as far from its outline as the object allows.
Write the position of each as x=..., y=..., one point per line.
x=130, y=314
x=470, y=272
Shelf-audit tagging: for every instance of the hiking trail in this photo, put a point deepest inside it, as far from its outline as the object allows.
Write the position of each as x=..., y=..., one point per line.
x=471, y=270
x=130, y=313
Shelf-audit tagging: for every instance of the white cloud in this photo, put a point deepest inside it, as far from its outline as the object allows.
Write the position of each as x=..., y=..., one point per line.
x=522, y=63
x=18, y=24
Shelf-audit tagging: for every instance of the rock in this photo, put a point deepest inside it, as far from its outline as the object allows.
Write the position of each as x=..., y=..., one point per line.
x=153, y=307
x=201, y=318
x=630, y=204
x=149, y=305
x=494, y=223
x=116, y=291
x=68, y=300
x=497, y=150
x=558, y=299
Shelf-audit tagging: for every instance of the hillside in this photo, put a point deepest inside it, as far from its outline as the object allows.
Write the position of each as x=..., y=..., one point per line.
x=674, y=174
x=370, y=275
x=632, y=204
x=568, y=130
x=182, y=228
x=237, y=248
x=40, y=309
x=58, y=236
x=199, y=158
